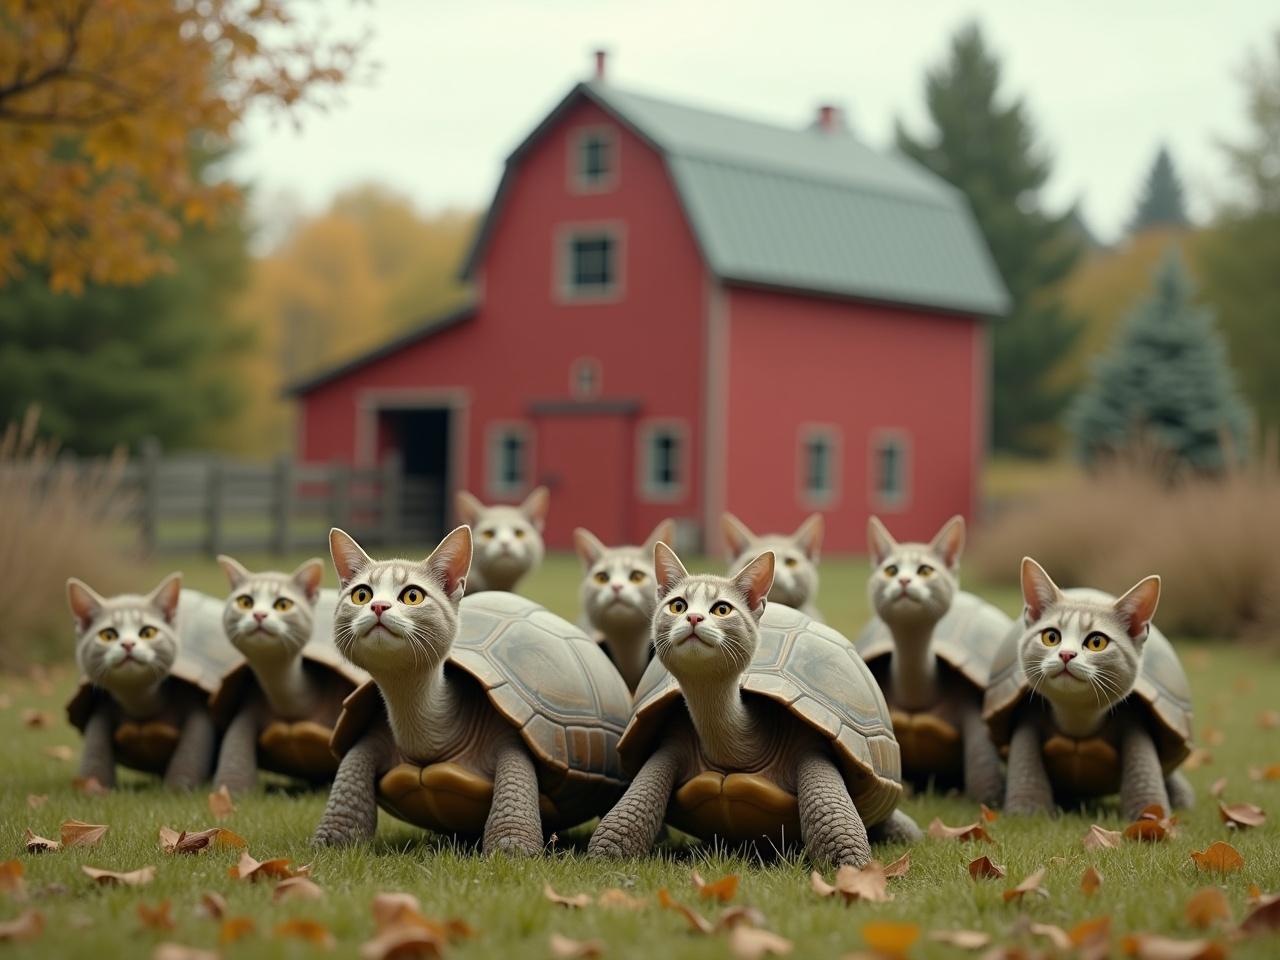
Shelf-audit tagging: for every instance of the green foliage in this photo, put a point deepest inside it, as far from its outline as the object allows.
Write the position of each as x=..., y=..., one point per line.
x=1161, y=203
x=985, y=146
x=1165, y=380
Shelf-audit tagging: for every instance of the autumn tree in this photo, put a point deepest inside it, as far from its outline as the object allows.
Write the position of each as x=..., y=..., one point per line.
x=101, y=102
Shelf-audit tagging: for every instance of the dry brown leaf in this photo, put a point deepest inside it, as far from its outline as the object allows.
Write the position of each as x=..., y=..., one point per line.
x=1255, y=893
x=1242, y=814
x=309, y=931
x=870, y=883
x=1197, y=758
x=403, y=942
x=11, y=880
x=212, y=905
x=59, y=751
x=180, y=951
x=173, y=841
x=1030, y=885
x=35, y=719
x=900, y=867
x=697, y=922
x=1270, y=772
x=1216, y=788
x=220, y=803
x=1213, y=736
x=1264, y=917
x=751, y=943
x=1218, y=857
x=970, y=831
x=36, y=800
x=1090, y=881
x=570, y=949
x=1060, y=939
x=25, y=926
x=1100, y=838
x=235, y=928
x=1150, y=946
x=961, y=939
x=613, y=897
x=1206, y=907
x=1152, y=825
x=158, y=917
x=253, y=870
x=1269, y=719
x=131, y=878
x=819, y=885
x=89, y=786
x=985, y=869
x=739, y=916
x=987, y=814
x=390, y=908
x=723, y=889
x=39, y=844
x=77, y=833
x=1092, y=938
x=890, y=939
x=577, y=901
x=297, y=888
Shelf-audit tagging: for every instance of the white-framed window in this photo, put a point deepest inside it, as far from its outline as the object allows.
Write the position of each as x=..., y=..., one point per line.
x=590, y=262
x=593, y=160
x=890, y=470
x=585, y=378
x=819, y=465
x=510, y=458
x=663, y=460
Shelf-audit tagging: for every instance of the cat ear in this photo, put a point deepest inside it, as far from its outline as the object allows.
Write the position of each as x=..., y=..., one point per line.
x=949, y=542
x=667, y=569
x=754, y=580
x=589, y=547
x=348, y=558
x=84, y=603
x=808, y=537
x=879, y=542
x=309, y=576
x=450, y=563
x=1137, y=607
x=535, y=507
x=165, y=597
x=1039, y=593
x=664, y=532
x=737, y=535
x=235, y=571
x=467, y=507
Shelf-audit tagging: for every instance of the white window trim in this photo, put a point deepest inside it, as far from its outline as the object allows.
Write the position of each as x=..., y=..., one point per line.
x=563, y=289
x=577, y=181
x=494, y=435
x=645, y=488
x=901, y=501
x=833, y=435
x=576, y=367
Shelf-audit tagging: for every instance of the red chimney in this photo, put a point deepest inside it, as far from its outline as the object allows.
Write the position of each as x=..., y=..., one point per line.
x=829, y=119
x=600, y=56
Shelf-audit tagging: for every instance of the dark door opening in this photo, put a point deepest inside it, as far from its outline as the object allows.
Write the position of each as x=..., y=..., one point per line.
x=422, y=437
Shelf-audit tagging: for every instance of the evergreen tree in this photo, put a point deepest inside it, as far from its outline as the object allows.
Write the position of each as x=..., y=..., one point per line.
x=1165, y=380
x=1161, y=203
x=985, y=146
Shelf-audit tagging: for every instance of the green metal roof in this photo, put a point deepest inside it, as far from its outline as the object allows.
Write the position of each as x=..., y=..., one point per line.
x=804, y=209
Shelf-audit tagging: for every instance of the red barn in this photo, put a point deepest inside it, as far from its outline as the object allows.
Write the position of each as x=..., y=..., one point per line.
x=679, y=312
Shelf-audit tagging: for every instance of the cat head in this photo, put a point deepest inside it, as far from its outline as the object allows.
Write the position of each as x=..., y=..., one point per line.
x=707, y=627
x=128, y=642
x=795, y=581
x=618, y=591
x=270, y=614
x=914, y=583
x=508, y=540
x=1083, y=648
x=398, y=616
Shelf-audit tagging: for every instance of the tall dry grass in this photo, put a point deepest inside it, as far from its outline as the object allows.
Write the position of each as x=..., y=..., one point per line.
x=1214, y=541
x=57, y=519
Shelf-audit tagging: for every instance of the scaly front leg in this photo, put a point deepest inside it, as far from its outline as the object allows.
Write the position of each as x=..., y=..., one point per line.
x=98, y=760
x=193, y=756
x=632, y=826
x=515, y=824
x=830, y=824
x=1028, y=790
x=351, y=813
x=983, y=778
x=238, y=757
x=1141, y=779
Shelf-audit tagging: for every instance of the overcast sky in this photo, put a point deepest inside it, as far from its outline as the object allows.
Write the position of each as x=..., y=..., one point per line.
x=460, y=82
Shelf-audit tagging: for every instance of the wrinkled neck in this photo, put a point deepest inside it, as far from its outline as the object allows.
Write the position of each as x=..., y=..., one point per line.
x=1078, y=720
x=285, y=684
x=913, y=668
x=727, y=729
x=629, y=650
x=425, y=708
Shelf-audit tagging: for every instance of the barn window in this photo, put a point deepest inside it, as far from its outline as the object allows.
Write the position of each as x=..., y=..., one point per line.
x=585, y=378
x=819, y=465
x=594, y=160
x=890, y=470
x=662, y=461
x=508, y=459
x=592, y=264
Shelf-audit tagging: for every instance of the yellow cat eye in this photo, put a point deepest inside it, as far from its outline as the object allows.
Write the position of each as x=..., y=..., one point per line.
x=412, y=596
x=677, y=606
x=637, y=576
x=1096, y=641
x=107, y=635
x=244, y=602
x=924, y=570
x=1050, y=637
x=721, y=609
x=891, y=570
x=791, y=561
x=519, y=534
x=487, y=534
x=361, y=595
x=601, y=576
x=147, y=632
x=282, y=604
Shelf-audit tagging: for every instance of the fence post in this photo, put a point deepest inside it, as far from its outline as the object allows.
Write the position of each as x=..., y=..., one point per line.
x=282, y=504
x=392, y=497
x=213, y=508
x=340, y=494
x=149, y=495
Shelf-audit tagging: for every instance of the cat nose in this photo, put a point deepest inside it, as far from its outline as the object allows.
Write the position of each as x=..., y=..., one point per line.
x=1066, y=656
x=905, y=581
x=695, y=618
x=617, y=588
x=259, y=615
x=127, y=646
x=379, y=608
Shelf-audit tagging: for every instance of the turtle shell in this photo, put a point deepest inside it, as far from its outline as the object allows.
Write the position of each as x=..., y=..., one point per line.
x=813, y=672
x=549, y=681
x=1162, y=689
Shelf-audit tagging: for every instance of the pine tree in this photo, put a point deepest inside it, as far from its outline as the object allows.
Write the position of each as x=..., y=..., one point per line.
x=985, y=145
x=1165, y=380
x=1161, y=203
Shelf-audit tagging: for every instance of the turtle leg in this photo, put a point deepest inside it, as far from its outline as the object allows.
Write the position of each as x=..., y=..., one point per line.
x=1182, y=796
x=830, y=825
x=898, y=828
x=632, y=826
x=193, y=756
x=515, y=823
x=1028, y=789
x=351, y=812
x=98, y=761
x=983, y=778
x=237, y=768
x=1141, y=778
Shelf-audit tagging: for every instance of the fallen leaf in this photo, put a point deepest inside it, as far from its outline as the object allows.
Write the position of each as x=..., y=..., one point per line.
x=577, y=901
x=961, y=939
x=173, y=841
x=59, y=751
x=1271, y=772
x=723, y=889
x=36, y=800
x=1088, y=933
x=1197, y=758
x=890, y=939
x=1030, y=885
x=613, y=897
x=77, y=833
x=697, y=922
x=89, y=786
x=731, y=917
x=403, y=942
x=970, y=831
x=750, y=943
x=235, y=928
x=35, y=719
x=220, y=803
x=1242, y=814
x=1206, y=907
x=900, y=867
x=1152, y=826
x=297, y=888
x=39, y=844
x=158, y=917
x=1213, y=736
x=564, y=947
x=1255, y=893
x=390, y=908
x=253, y=870
x=989, y=815
x=212, y=905
x=869, y=883
x=1060, y=939
x=132, y=878
x=1149, y=946
x=180, y=951
x=309, y=931
x=1269, y=719
x=1099, y=838
x=1090, y=881
x=1216, y=788
x=1264, y=917
x=1219, y=857
x=985, y=869
x=11, y=880
x=25, y=926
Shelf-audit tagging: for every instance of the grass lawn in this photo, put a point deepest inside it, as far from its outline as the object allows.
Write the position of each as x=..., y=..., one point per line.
x=1144, y=886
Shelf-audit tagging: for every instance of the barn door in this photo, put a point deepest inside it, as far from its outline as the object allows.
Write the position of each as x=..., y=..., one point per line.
x=585, y=460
